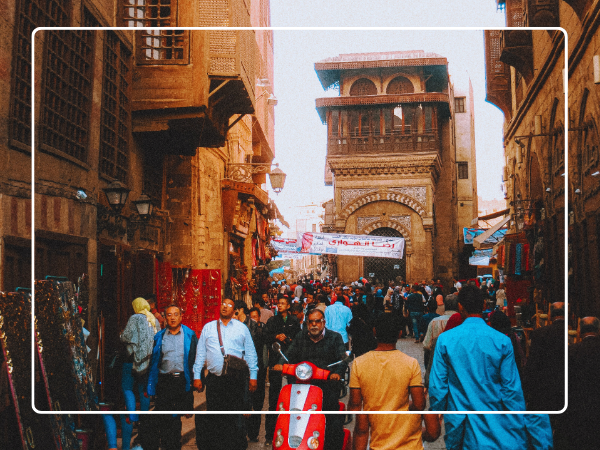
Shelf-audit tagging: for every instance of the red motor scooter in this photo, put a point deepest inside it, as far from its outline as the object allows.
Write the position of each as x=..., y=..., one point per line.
x=303, y=431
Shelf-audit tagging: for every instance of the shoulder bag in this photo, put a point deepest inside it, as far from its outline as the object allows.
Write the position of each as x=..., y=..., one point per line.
x=232, y=365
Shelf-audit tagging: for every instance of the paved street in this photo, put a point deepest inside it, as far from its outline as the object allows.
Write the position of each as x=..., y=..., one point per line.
x=407, y=346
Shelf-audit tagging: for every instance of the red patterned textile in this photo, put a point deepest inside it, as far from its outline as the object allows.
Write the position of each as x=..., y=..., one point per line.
x=164, y=284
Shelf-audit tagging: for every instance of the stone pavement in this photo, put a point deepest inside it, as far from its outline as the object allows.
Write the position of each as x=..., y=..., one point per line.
x=406, y=345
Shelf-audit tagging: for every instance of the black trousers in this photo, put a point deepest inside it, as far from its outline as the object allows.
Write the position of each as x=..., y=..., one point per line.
x=275, y=382
x=257, y=400
x=223, y=431
x=334, y=423
x=165, y=429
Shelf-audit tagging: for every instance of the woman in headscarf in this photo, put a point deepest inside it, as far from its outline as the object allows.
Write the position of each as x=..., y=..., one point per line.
x=138, y=338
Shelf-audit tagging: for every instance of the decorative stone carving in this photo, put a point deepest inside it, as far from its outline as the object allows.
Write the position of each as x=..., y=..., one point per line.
x=362, y=221
x=419, y=193
x=404, y=220
x=350, y=194
x=375, y=196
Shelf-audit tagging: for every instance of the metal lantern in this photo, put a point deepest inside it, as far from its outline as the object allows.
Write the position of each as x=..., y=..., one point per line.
x=116, y=194
x=144, y=206
x=277, y=177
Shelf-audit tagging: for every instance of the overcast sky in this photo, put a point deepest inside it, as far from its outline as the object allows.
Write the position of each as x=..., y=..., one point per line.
x=300, y=138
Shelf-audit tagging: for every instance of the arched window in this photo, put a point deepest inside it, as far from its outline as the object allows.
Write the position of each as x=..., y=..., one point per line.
x=363, y=86
x=400, y=85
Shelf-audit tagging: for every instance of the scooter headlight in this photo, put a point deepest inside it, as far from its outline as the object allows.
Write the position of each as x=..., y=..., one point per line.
x=278, y=439
x=304, y=372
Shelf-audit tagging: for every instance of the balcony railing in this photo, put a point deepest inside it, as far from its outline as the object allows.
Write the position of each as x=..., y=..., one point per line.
x=386, y=144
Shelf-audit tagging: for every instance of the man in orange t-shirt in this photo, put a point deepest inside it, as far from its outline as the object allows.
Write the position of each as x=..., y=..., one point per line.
x=383, y=380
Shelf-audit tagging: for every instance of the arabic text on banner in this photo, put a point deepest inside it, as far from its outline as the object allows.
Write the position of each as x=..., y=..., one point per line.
x=351, y=245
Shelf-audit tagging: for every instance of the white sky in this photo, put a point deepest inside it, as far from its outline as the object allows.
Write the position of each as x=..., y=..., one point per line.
x=300, y=138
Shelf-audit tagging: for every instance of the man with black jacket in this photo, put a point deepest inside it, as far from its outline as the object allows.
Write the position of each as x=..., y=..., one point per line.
x=280, y=328
x=322, y=347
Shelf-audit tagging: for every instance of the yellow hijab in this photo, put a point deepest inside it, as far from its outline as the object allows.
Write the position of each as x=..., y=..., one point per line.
x=141, y=306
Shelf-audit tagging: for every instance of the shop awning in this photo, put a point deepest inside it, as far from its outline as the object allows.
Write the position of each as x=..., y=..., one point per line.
x=479, y=240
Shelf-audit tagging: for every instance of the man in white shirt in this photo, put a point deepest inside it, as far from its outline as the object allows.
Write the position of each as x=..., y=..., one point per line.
x=224, y=392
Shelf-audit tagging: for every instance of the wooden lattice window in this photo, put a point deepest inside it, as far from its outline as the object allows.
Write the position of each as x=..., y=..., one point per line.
x=162, y=47
x=30, y=15
x=363, y=86
x=67, y=92
x=156, y=46
x=459, y=105
x=463, y=170
x=116, y=108
x=400, y=85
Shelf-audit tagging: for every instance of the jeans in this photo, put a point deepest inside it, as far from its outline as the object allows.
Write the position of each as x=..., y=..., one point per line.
x=129, y=382
x=110, y=428
x=416, y=318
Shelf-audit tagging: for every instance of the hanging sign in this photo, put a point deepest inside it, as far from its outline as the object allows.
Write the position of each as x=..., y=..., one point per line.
x=351, y=245
x=471, y=233
x=285, y=245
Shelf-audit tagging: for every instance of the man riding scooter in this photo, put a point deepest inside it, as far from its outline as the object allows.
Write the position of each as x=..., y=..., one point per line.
x=322, y=347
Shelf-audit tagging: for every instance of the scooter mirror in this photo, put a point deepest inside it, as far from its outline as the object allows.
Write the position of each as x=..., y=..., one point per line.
x=277, y=347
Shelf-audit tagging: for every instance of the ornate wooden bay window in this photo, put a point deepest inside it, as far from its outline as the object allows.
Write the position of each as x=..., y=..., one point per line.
x=156, y=46
x=385, y=129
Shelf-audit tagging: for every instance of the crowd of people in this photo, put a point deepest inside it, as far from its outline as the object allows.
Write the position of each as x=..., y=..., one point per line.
x=473, y=358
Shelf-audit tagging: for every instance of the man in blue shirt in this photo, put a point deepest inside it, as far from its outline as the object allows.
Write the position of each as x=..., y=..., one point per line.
x=337, y=318
x=170, y=377
x=474, y=369
x=224, y=392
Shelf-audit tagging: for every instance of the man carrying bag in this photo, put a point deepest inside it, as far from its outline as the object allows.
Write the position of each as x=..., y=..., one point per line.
x=226, y=347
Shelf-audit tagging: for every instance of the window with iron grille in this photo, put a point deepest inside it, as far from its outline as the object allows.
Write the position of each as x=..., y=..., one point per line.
x=459, y=105
x=156, y=46
x=67, y=91
x=116, y=108
x=30, y=14
x=463, y=170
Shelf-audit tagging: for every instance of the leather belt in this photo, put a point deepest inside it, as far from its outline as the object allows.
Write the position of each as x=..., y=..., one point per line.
x=173, y=374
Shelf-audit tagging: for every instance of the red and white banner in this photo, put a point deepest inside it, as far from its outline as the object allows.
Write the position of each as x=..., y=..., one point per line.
x=351, y=245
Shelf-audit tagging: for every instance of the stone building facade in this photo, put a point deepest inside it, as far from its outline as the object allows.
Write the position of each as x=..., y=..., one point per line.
x=526, y=80
x=401, y=158
x=167, y=113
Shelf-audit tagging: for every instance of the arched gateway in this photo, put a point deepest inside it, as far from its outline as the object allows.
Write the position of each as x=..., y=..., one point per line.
x=382, y=270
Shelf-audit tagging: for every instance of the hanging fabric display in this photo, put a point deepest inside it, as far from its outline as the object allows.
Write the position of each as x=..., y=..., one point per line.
x=196, y=291
x=254, y=252
x=34, y=430
x=526, y=249
x=518, y=258
x=164, y=284
x=65, y=354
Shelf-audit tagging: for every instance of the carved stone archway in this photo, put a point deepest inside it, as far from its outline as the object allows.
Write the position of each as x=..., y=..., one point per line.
x=378, y=196
x=384, y=223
